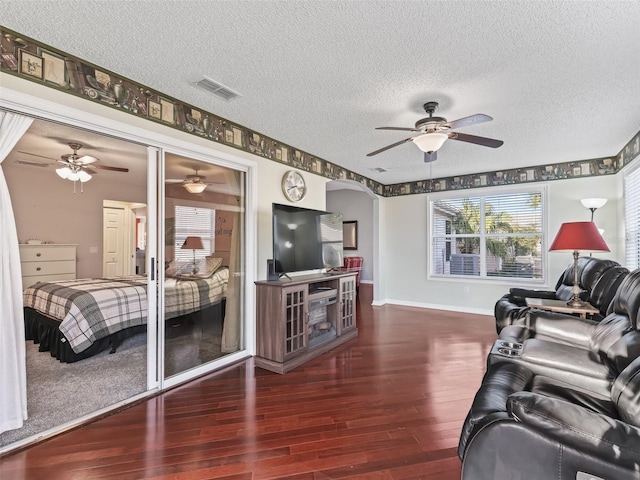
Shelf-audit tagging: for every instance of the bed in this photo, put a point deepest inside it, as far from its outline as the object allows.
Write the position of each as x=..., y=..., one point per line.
x=76, y=319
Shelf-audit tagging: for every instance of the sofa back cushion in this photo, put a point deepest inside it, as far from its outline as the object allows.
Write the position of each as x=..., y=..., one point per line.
x=606, y=287
x=625, y=393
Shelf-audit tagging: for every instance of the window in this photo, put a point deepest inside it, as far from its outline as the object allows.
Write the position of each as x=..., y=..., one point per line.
x=488, y=236
x=194, y=222
x=632, y=219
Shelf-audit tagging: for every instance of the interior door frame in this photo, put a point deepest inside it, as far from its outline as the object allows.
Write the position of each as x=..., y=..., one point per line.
x=157, y=139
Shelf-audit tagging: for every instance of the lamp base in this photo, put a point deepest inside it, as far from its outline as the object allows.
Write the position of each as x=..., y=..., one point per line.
x=575, y=302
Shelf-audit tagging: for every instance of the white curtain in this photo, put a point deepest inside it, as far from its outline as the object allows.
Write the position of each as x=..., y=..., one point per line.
x=232, y=331
x=13, y=373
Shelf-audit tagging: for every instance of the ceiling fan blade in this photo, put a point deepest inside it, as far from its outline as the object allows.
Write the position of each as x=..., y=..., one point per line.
x=36, y=155
x=89, y=170
x=389, y=146
x=115, y=169
x=470, y=120
x=404, y=129
x=85, y=159
x=484, y=141
x=430, y=157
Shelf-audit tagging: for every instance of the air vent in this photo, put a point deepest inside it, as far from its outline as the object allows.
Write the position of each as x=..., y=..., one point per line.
x=32, y=164
x=218, y=89
x=379, y=170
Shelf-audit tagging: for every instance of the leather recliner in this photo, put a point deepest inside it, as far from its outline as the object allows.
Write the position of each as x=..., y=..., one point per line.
x=586, y=354
x=527, y=426
x=576, y=331
x=512, y=308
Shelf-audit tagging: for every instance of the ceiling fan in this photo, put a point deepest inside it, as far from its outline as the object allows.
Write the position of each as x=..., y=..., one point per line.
x=76, y=164
x=192, y=183
x=435, y=130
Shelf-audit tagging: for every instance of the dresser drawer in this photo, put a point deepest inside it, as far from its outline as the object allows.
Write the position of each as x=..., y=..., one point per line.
x=28, y=281
x=34, y=253
x=48, y=268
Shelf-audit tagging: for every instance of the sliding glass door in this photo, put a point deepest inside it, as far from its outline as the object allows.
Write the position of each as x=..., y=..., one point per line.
x=204, y=245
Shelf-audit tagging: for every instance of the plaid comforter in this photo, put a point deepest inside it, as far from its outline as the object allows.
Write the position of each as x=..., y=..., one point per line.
x=93, y=308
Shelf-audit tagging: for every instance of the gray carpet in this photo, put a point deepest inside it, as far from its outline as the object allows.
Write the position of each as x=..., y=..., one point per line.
x=60, y=392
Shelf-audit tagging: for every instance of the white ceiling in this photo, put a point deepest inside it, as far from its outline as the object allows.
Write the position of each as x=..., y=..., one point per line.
x=560, y=78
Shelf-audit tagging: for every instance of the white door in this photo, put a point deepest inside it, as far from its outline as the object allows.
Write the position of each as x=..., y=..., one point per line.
x=113, y=242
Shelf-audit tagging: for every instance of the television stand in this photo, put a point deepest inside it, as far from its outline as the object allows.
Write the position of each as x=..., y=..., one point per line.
x=299, y=319
x=280, y=275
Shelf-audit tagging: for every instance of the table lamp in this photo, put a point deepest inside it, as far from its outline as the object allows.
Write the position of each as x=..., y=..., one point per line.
x=193, y=243
x=578, y=236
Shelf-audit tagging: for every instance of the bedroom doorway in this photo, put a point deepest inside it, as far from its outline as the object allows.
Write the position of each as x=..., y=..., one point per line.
x=204, y=212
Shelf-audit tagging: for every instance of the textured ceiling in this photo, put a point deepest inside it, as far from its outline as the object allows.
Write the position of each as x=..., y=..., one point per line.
x=560, y=78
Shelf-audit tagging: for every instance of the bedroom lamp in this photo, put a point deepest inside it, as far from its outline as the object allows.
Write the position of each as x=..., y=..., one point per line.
x=193, y=243
x=578, y=236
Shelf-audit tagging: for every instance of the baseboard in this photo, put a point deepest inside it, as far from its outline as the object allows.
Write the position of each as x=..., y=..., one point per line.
x=433, y=306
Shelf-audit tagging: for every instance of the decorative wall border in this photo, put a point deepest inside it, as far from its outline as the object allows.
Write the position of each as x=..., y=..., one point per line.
x=34, y=61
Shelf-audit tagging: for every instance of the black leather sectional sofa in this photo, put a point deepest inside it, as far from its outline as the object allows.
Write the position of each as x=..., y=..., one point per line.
x=598, y=281
x=561, y=395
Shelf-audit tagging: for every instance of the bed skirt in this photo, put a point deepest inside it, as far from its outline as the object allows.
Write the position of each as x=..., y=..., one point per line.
x=45, y=332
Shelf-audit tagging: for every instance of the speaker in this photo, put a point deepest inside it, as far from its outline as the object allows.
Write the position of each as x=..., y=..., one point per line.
x=271, y=270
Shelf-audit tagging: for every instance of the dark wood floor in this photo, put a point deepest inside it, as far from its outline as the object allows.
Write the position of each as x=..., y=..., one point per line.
x=388, y=405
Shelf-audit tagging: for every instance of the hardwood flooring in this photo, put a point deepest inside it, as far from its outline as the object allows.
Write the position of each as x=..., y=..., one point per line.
x=387, y=405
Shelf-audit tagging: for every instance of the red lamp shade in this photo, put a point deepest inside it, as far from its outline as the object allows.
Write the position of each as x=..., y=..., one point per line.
x=579, y=236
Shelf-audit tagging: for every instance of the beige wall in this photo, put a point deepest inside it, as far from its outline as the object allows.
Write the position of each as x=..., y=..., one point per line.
x=406, y=238
x=46, y=208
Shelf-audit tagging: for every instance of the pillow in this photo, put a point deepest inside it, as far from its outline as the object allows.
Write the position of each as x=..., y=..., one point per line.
x=172, y=269
x=211, y=265
x=175, y=269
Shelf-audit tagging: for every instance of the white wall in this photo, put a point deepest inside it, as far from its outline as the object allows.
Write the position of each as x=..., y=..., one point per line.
x=404, y=259
x=269, y=192
x=356, y=205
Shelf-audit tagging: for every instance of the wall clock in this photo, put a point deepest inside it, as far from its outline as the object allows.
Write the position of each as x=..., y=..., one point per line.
x=294, y=186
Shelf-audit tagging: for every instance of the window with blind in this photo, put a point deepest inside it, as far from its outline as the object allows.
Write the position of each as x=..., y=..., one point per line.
x=488, y=236
x=632, y=219
x=194, y=222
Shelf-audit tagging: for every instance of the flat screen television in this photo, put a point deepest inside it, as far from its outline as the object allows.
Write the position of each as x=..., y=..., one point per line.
x=305, y=239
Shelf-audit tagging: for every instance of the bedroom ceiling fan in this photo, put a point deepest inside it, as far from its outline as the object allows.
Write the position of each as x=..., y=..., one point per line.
x=81, y=167
x=434, y=131
x=192, y=183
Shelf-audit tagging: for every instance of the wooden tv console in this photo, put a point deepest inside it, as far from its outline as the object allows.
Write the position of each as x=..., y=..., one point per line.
x=301, y=318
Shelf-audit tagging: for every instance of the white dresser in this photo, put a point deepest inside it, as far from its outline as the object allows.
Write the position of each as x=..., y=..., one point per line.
x=47, y=263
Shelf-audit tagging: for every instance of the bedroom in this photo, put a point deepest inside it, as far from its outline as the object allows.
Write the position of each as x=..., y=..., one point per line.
x=48, y=211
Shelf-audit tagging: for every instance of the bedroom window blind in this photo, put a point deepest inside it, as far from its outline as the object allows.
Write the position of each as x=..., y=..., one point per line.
x=488, y=236
x=198, y=222
x=632, y=219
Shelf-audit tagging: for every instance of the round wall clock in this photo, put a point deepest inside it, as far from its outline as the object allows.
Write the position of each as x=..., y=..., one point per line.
x=293, y=186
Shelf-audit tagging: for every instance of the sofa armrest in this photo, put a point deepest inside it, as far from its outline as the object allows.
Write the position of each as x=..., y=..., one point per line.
x=531, y=293
x=560, y=327
x=490, y=401
x=597, y=435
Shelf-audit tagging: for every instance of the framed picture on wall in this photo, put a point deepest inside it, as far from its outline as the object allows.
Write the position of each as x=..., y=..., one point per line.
x=31, y=64
x=350, y=235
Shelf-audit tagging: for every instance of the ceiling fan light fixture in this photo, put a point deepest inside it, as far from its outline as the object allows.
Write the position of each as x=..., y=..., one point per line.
x=430, y=142
x=83, y=176
x=63, y=172
x=195, y=187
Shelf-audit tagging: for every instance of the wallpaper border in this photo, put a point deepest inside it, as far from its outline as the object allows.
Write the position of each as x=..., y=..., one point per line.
x=32, y=60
